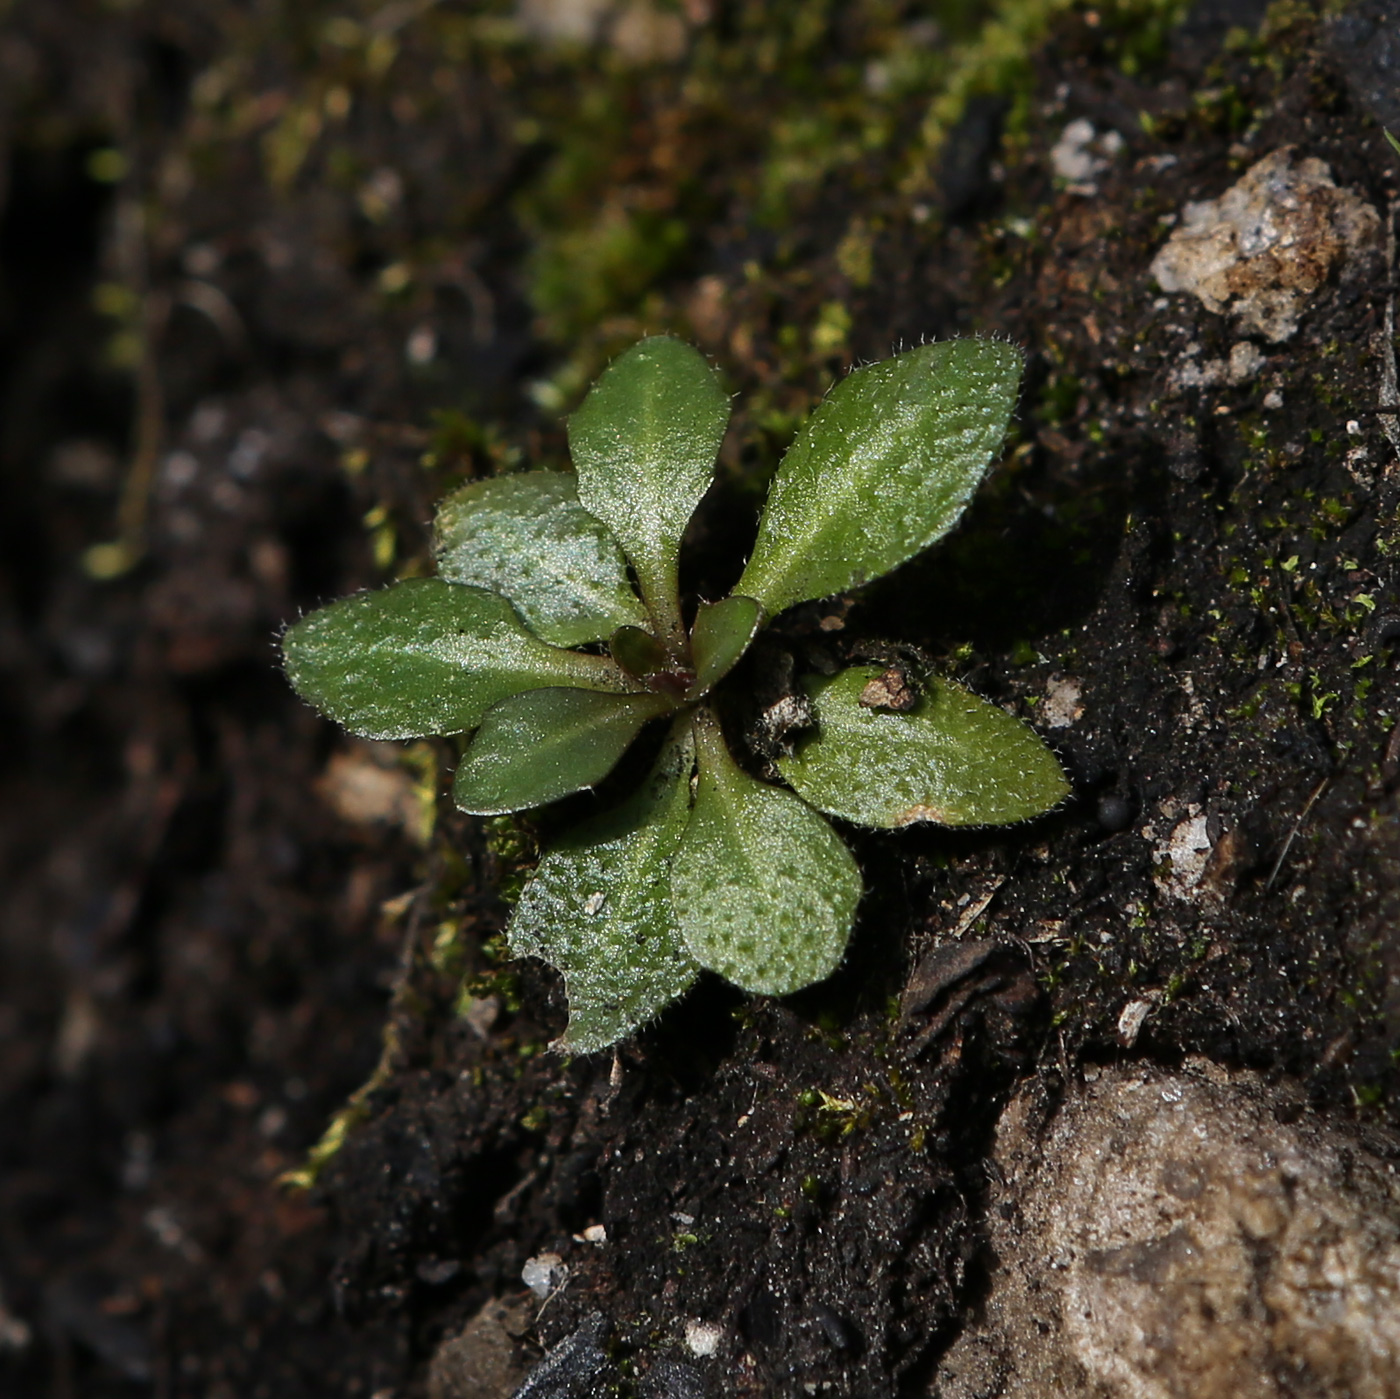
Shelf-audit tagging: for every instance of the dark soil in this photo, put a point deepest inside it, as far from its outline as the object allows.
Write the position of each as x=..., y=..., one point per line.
x=208, y=946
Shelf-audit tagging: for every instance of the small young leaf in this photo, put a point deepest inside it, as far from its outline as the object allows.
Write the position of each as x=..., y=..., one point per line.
x=638, y=652
x=883, y=468
x=599, y=909
x=765, y=891
x=954, y=759
x=720, y=636
x=539, y=746
x=644, y=443
x=426, y=657
x=527, y=538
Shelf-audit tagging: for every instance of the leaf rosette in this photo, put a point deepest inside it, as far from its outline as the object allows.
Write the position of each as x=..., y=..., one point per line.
x=555, y=633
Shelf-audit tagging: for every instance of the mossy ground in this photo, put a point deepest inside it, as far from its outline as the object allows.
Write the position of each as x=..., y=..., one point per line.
x=317, y=264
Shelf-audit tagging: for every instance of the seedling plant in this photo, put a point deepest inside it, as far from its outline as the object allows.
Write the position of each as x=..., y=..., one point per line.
x=555, y=632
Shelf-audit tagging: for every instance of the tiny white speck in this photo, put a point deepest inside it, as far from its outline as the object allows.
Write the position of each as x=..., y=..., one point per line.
x=594, y=904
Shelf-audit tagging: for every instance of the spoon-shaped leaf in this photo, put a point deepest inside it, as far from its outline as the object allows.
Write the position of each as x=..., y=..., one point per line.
x=644, y=443
x=954, y=759
x=599, y=909
x=765, y=891
x=638, y=652
x=539, y=746
x=527, y=538
x=720, y=636
x=883, y=468
x=426, y=657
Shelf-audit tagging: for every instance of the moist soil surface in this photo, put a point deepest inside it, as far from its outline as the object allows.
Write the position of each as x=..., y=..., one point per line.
x=271, y=282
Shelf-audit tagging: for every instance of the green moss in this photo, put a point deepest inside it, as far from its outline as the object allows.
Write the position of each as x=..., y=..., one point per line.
x=998, y=60
x=512, y=841
x=759, y=118
x=580, y=275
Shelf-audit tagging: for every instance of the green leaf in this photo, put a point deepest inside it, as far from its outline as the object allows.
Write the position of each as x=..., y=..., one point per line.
x=765, y=891
x=539, y=746
x=599, y=909
x=954, y=759
x=720, y=636
x=644, y=443
x=426, y=657
x=638, y=652
x=882, y=469
x=527, y=538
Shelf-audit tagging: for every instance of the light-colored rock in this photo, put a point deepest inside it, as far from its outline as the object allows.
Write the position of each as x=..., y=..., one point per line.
x=544, y=1273
x=1062, y=704
x=1166, y=1236
x=1181, y=856
x=1246, y=360
x=1263, y=249
x=479, y=1362
x=702, y=1338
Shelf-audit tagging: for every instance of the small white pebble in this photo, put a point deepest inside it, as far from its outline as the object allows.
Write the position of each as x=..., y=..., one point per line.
x=543, y=1274
x=595, y=1234
x=1273, y=399
x=1353, y=428
x=702, y=1338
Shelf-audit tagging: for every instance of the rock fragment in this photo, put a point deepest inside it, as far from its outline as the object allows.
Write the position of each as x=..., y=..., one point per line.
x=1262, y=250
x=544, y=1273
x=703, y=1338
x=1167, y=1235
x=1062, y=704
x=479, y=1361
x=574, y=1368
x=1182, y=855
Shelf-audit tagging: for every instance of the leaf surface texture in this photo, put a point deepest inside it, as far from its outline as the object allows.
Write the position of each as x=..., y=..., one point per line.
x=534, y=748
x=765, y=890
x=599, y=909
x=527, y=538
x=644, y=443
x=425, y=657
x=955, y=759
x=882, y=469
